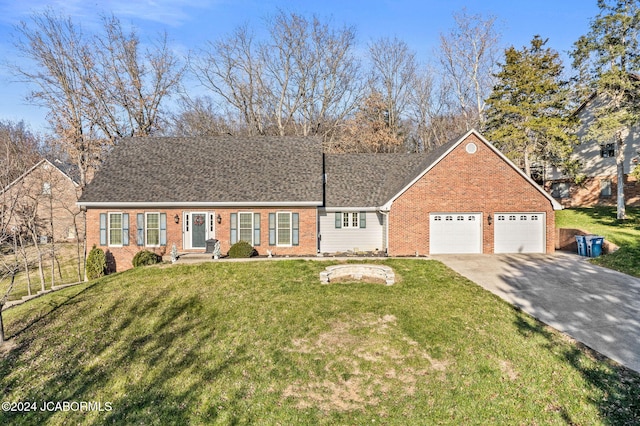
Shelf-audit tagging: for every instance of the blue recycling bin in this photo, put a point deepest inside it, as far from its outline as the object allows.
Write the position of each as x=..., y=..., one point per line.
x=581, y=241
x=595, y=246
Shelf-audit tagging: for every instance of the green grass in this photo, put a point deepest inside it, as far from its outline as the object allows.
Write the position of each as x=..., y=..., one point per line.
x=603, y=221
x=265, y=343
x=66, y=271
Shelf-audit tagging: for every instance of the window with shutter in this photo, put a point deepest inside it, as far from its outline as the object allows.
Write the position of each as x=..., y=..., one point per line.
x=115, y=229
x=152, y=229
x=245, y=227
x=283, y=228
x=353, y=220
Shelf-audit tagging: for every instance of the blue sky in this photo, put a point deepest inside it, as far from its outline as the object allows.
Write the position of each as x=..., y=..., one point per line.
x=190, y=23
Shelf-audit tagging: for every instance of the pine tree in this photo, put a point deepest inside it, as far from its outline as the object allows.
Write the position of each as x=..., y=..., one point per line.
x=527, y=116
x=607, y=59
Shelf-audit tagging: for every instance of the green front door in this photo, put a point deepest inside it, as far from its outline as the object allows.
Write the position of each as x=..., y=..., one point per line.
x=198, y=230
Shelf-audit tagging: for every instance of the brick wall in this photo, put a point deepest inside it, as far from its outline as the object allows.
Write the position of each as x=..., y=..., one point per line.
x=588, y=193
x=122, y=256
x=462, y=182
x=57, y=212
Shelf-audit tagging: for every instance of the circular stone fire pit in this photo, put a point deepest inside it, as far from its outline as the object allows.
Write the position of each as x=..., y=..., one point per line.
x=358, y=272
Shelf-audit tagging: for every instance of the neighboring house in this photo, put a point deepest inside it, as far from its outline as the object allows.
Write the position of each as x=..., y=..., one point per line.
x=284, y=195
x=45, y=198
x=598, y=185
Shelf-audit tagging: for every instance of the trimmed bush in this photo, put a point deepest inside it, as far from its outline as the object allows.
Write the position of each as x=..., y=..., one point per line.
x=96, y=263
x=242, y=249
x=146, y=257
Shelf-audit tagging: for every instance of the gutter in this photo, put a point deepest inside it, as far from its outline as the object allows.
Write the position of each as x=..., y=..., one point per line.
x=154, y=204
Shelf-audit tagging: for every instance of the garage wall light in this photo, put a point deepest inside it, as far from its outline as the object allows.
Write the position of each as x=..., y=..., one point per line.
x=490, y=219
x=176, y=218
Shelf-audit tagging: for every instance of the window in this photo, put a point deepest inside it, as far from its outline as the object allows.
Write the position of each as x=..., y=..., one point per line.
x=115, y=229
x=46, y=188
x=350, y=220
x=560, y=189
x=608, y=150
x=245, y=227
x=152, y=229
x=605, y=188
x=283, y=226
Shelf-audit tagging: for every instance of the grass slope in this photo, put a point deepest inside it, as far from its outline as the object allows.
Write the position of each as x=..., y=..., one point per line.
x=266, y=343
x=603, y=221
x=66, y=270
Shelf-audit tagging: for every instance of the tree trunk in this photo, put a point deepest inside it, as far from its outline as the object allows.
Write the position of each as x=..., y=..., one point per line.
x=40, y=260
x=620, y=178
x=1, y=325
x=23, y=252
x=2, y=302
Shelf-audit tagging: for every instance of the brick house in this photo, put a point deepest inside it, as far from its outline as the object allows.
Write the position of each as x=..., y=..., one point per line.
x=46, y=196
x=598, y=160
x=286, y=196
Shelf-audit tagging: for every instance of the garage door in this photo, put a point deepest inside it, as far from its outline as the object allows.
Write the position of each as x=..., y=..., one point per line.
x=455, y=233
x=519, y=233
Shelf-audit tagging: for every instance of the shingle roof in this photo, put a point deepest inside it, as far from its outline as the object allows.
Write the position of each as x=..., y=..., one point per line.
x=371, y=180
x=216, y=169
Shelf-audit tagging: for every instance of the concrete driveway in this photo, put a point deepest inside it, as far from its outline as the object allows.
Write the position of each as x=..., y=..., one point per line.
x=596, y=306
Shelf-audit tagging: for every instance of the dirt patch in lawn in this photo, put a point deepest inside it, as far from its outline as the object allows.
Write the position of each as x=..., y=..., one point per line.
x=6, y=347
x=364, y=360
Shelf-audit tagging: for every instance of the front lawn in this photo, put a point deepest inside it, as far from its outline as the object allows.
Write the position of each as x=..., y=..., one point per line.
x=602, y=221
x=266, y=343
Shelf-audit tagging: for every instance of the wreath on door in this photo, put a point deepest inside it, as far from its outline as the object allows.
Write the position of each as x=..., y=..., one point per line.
x=198, y=220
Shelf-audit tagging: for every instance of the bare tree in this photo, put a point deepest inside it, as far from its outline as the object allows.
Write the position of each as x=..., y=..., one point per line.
x=8, y=271
x=232, y=69
x=19, y=150
x=131, y=84
x=96, y=88
x=325, y=72
x=303, y=79
x=9, y=264
x=468, y=55
x=199, y=117
x=394, y=71
x=60, y=61
x=311, y=74
x=434, y=118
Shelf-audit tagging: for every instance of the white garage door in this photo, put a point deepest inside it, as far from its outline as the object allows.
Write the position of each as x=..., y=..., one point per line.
x=519, y=233
x=455, y=233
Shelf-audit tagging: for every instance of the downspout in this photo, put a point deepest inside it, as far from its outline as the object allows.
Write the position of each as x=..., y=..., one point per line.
x=385, y=213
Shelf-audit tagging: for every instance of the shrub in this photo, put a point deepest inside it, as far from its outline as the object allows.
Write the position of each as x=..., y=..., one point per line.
x=242, y=249
x=96, y=263
x=146, y=257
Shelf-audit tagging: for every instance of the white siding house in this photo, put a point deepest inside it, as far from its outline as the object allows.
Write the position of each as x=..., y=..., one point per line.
x=343, y=230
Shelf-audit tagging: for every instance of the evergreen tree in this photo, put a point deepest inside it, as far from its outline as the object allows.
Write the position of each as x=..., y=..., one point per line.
x=527, y=114
x=607, y=59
